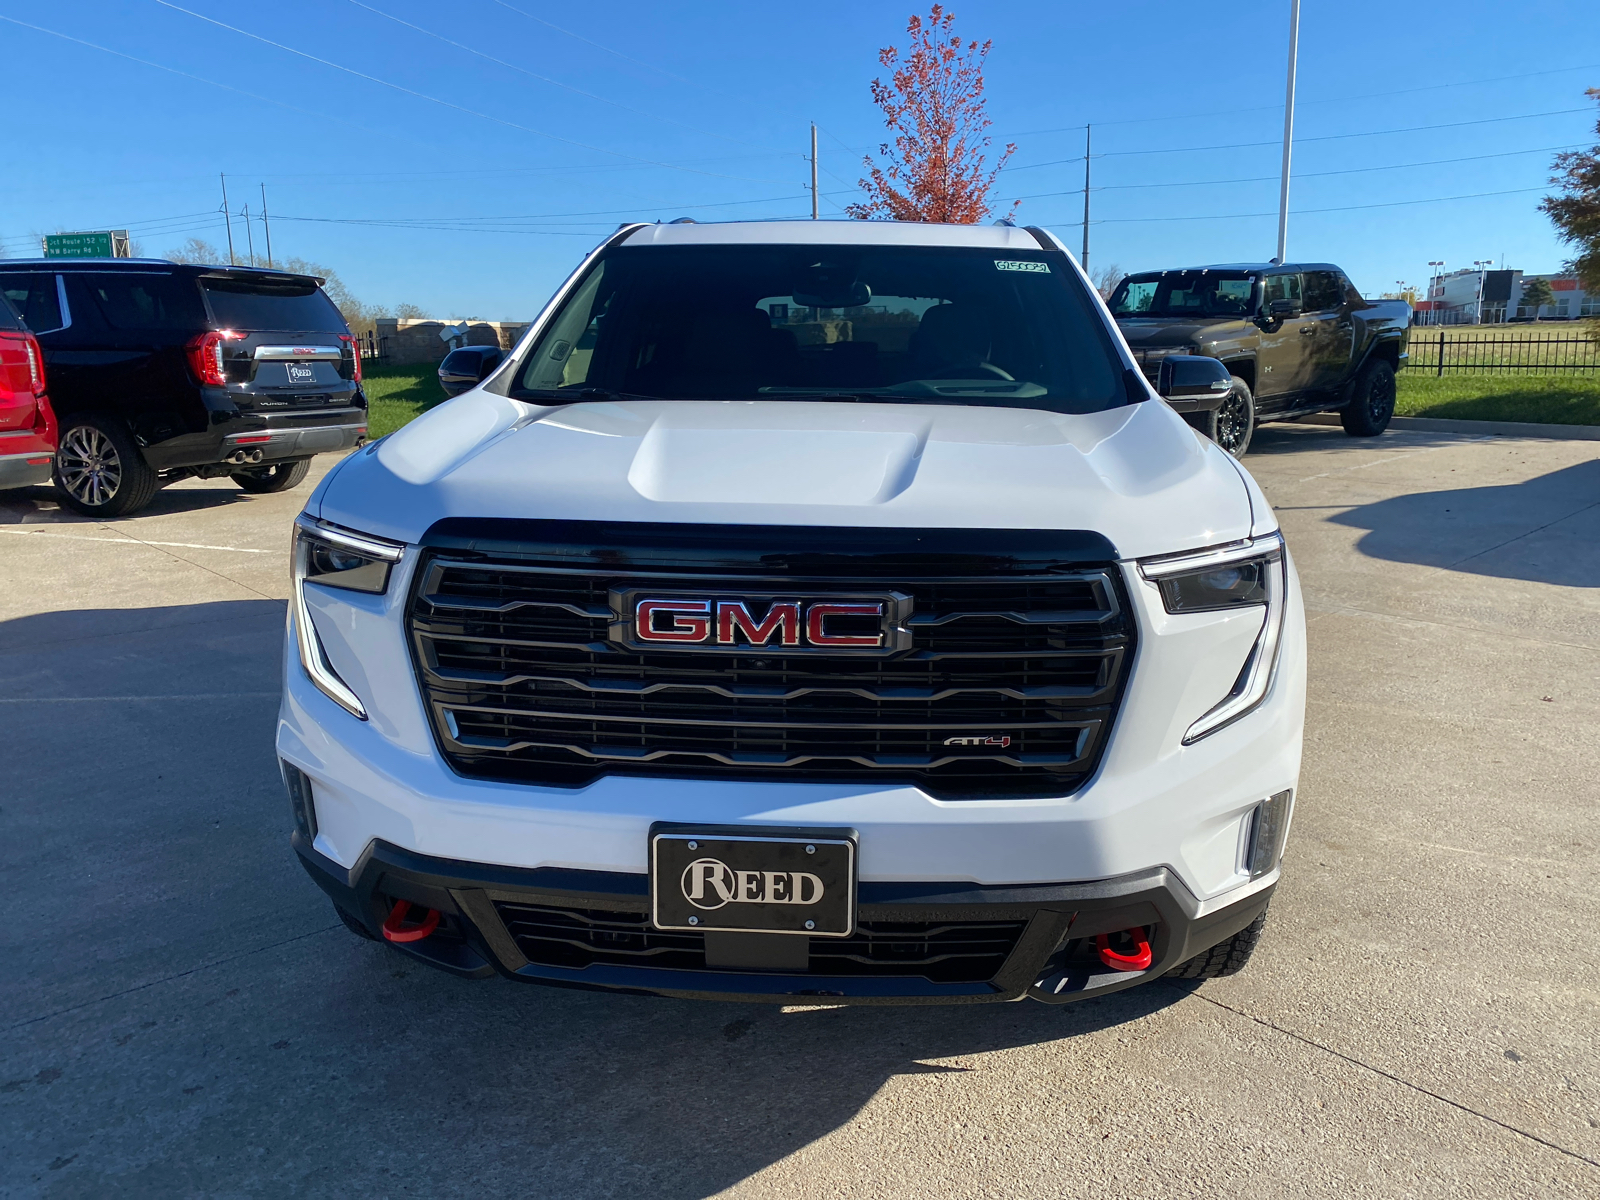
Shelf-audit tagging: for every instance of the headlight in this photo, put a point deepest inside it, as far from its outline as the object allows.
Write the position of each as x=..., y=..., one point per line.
x=332, y=557
x=1251, y=573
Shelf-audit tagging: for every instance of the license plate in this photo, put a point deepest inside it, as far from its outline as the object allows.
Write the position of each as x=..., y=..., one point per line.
x=302, y=373
x=753, y=884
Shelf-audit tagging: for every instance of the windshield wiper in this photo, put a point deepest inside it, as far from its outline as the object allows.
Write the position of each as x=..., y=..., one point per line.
x=578, y=395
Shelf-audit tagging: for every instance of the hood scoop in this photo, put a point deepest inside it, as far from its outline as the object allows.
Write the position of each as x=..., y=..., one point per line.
x=762, y=454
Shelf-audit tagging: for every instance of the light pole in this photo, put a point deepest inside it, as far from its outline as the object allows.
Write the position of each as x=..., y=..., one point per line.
x=1435, y=286
x=1483, y=265
x=1288, y=131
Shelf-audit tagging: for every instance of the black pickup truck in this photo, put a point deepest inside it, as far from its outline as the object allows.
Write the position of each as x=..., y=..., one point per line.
x=1296, y=337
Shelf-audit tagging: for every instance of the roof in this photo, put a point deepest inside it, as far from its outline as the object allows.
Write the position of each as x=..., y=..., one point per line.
x=144, y=264
x=834, y=233
x=1255, y=266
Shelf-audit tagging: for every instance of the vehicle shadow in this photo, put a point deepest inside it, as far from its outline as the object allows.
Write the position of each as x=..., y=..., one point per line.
x=42, y=505
x=1544, y=530
x=611, y=1096
x=173, y=940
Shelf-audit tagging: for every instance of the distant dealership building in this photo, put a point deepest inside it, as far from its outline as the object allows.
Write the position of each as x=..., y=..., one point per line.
x=1481, y=297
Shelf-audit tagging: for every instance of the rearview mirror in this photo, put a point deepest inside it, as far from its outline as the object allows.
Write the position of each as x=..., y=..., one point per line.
x=1192, y=382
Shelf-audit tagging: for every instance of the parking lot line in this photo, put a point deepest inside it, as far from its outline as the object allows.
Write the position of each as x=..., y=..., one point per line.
x=84, y=537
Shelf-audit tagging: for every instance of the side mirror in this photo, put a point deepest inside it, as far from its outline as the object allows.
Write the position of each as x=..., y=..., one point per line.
x=1192, y=383
x=1279, y=309
x=487, y=365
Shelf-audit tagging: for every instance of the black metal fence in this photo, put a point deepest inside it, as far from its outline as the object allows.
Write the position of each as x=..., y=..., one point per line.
x=1533, y=353
x=371, y=347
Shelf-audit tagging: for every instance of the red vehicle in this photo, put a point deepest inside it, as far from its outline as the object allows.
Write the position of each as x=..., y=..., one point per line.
x=27, y=423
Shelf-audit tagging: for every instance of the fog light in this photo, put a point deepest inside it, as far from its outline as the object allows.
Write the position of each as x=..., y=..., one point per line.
x=300, y=801
x=1268, y=825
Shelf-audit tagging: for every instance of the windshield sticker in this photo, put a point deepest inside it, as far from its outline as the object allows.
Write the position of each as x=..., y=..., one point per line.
x=1008, y=264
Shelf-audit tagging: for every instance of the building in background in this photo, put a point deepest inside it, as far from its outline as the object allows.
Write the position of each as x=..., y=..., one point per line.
x=1572, y=302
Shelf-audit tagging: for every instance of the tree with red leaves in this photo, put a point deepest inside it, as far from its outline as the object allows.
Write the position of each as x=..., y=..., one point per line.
x=934, y=103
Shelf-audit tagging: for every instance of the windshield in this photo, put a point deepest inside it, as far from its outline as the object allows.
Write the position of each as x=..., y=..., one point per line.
x=1184, y=294
x=966, y=326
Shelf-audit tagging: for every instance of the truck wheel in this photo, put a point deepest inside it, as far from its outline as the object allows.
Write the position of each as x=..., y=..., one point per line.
x=99, y=470
x=276, y=477
x=1225, y=958
x=1233, y=422
x=355, y=926
x=1369, y=410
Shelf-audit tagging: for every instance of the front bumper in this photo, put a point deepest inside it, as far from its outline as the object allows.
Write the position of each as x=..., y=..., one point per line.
x=1045, y=932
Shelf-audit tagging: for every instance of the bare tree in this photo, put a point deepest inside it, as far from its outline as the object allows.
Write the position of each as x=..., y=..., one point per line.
x=1106, y=278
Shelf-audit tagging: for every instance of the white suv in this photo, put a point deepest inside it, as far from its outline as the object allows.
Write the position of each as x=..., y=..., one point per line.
x=819, y=610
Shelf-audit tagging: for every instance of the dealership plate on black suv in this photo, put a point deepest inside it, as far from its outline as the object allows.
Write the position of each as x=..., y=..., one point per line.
x=714, y=880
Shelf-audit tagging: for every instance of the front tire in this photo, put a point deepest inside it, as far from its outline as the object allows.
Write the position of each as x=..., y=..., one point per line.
x=1225, y=958
x=277, y=477
x=99, y=471
x=1233, y=422
x=1369, y=410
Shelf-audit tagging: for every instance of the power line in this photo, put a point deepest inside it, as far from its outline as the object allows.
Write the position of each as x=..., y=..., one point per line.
x=543, y=78
x=1308, y=211
x=1341, y=99
x=1436, y=162
x=1326, y=137
x=445, y=103
x=145, y=62
x=579, y=37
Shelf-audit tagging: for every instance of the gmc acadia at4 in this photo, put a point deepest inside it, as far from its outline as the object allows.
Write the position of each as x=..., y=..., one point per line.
x=804, y=612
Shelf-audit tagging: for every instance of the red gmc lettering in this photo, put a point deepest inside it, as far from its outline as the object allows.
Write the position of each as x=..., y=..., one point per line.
x=687, y=620
x=783, y=615
x=818, y=613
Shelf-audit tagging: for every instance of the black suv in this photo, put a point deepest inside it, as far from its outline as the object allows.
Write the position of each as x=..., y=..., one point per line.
x=160, y=371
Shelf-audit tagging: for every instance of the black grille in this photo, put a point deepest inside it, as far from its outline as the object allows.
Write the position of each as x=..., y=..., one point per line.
x=944, y=952
x=523, y=681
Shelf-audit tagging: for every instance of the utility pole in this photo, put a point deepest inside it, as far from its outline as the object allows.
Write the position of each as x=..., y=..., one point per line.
x=1288, y=131
x=1084, y=260
x=249, y=235
x=227, y=218
x=814, y=210
x=267, y=229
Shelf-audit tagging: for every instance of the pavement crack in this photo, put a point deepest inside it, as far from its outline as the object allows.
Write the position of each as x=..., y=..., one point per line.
x=1529, y=533
x=1393, y=1078
x=60, y=1012
x=164, y=548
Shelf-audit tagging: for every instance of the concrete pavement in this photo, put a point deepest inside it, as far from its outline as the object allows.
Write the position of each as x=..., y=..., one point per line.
x=184, y=1015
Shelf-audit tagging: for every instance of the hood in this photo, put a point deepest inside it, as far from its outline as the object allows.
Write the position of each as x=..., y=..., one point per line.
x=1153, y=332
x=1137, y=474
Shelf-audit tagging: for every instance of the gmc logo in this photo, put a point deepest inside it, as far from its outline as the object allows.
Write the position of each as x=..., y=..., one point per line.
x=838, y=624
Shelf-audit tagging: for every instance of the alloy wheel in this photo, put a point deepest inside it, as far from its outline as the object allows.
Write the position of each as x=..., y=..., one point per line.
x=1232, y=422
x=1380, y=399
x=88, y=465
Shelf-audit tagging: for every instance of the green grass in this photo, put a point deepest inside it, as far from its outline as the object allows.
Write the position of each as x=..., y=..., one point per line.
x=1545, y=399
x=397, y=394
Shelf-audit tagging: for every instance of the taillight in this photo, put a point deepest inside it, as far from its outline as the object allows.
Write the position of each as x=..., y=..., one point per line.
x=355, y=351
x=35, y=363
x=205, y=355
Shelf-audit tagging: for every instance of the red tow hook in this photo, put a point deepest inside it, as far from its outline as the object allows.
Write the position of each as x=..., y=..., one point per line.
x=1139, y=960
x=397, y=931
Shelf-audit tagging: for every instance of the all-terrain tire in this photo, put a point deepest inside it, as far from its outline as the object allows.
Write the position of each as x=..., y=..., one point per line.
x=274, y=477
x=355, y=926
x=1372, y=403
x=1225, y=958
x=1232, y=423
x=99, y=470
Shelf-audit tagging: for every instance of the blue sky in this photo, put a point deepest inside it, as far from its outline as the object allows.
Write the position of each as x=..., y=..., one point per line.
x=470, y=178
